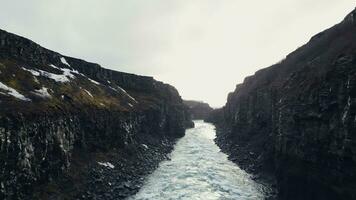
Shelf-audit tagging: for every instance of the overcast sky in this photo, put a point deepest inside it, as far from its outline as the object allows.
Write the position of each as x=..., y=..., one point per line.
x=202, y=47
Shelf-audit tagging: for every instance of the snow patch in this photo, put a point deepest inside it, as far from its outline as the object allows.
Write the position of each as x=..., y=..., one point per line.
x=144, y=146
x=133, y=99
x=124, y=91
x=13, y=92
x=33, y=72
x=62, y=78
x=91, y=80
x=43, y=92
x=55, y=67
x=56, y=77
x=89, y=93
x=68, y=73
x=106, y=164
x=130, y=104
x=64, y=61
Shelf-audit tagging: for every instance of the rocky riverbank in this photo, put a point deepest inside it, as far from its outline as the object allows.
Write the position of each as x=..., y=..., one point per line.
x=72, y=129
x=295, y=122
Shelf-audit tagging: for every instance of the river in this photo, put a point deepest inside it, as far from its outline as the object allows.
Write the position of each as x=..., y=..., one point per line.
x=198, y=170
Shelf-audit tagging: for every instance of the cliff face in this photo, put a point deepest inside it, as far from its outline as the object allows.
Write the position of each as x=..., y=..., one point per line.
x=197, y=109
x=72, y=129
x=295, y=121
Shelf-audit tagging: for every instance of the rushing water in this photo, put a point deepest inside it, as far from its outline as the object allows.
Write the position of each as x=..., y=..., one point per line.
x=198, y=170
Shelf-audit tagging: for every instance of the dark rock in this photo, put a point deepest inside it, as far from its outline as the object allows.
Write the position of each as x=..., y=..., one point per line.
x=51, y=142
x=295, y=122
x=198, y=109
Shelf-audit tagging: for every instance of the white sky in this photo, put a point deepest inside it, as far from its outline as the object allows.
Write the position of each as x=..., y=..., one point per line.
x=202, y=47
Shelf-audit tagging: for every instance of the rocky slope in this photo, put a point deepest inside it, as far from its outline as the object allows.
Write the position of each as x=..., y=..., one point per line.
x=198, y=109
x=71, y=129
x=295, y=122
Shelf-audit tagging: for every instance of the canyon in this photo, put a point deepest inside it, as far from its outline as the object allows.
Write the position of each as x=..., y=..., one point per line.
x=71, y=129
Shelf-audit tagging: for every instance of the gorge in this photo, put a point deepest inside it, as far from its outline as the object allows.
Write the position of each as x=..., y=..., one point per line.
x=71, y=129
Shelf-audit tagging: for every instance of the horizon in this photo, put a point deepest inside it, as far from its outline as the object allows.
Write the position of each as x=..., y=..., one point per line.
x=202, y=48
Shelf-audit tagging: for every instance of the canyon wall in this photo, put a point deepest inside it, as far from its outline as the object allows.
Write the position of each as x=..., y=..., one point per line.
x=70, y=129
x=293, y=124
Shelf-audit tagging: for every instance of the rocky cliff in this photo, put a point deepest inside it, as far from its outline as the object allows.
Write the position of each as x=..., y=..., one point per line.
x=198, y=109
x=295, y=122
x=70, y=129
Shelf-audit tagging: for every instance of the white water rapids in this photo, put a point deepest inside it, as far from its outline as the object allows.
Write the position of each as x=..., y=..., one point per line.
x=198, y=170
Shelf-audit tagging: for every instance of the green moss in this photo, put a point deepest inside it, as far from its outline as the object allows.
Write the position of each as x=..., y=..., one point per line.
x=103, y=97
x=14, y=84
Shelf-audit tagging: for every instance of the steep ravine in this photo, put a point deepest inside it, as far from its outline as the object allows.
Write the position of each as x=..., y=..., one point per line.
x=293, y=124
x=70, y=129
